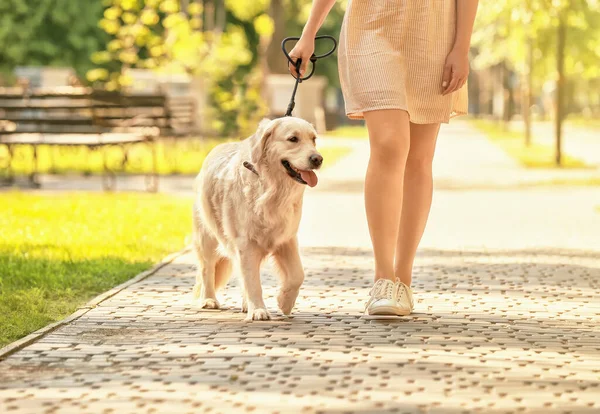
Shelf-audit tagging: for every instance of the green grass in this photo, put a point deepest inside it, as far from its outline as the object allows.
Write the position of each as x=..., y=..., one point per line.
x=349, y=132
x=333, y=153
x=592, y=123
x=571, y=182
x=58, y=251
x=173, y=157
x=533, y=156
x=177, y=157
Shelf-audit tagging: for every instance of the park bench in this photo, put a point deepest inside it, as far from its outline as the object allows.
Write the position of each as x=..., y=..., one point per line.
x=74, y=116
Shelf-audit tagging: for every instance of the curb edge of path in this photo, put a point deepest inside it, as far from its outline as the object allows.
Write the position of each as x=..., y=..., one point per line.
x=19, y=344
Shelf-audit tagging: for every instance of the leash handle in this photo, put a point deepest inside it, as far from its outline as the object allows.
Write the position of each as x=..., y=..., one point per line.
x=313, y=58
x=298, y=63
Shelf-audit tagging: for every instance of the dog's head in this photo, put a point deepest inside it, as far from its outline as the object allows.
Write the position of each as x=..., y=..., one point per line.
x=287, y=146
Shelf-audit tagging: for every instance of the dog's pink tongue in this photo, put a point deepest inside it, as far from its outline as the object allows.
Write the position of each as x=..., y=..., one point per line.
x=310, y=177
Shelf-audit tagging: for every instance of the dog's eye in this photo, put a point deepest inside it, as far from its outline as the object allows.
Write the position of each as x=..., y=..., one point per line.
x=293, y=139
x=314, y=140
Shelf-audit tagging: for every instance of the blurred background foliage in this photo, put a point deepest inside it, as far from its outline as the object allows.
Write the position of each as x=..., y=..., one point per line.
x=50, y=33
x=547, y=53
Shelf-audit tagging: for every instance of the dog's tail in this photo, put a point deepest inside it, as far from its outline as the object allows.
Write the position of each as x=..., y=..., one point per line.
x=223, y=270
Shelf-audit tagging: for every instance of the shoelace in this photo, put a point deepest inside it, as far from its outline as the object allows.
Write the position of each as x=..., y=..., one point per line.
x=383, y=289
x=403, y=290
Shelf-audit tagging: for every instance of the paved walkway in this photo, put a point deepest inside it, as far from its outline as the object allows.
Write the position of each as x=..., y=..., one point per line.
x=508, y=304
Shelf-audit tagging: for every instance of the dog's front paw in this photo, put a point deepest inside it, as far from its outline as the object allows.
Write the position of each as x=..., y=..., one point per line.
x=286, y=300
x=244, y=305
x=210, y=303
x=258, y=314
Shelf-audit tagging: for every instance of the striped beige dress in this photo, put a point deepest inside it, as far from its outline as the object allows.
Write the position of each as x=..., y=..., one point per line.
x=392, y=54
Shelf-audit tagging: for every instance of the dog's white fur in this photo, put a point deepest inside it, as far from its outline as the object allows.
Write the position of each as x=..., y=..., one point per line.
x=243, y=217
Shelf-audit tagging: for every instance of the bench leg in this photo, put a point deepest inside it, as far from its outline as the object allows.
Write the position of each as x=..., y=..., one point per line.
x=10, y=178
x=34, y=176
x=109, y=179
x=152, y=178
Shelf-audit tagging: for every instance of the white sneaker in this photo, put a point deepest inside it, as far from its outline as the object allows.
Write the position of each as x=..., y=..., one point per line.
x=404, y=296
x=389, y=299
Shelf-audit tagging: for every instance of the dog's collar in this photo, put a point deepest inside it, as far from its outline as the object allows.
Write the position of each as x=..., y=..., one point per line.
x=250, y=167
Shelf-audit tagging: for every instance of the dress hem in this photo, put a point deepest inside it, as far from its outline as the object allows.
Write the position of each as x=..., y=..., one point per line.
x=359, y=114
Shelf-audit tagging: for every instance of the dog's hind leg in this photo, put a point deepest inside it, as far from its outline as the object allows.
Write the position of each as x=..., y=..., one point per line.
x=223, y=270
x=244, y=306
x=206, y=250
x=204, y=290
x=291, y=273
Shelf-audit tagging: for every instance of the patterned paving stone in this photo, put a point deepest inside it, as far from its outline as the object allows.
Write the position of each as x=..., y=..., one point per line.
x=525, y=342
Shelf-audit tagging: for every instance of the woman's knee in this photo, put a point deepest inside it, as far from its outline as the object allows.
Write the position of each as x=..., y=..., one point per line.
x=422, y=149
x=420, y=163
x=389, y=135
x=390, y=146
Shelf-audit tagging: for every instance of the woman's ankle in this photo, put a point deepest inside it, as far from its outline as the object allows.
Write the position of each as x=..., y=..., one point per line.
x=404, y=276
x=387, y=276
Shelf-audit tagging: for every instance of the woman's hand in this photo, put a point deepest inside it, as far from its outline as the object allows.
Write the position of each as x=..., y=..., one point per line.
x=456, y=71
x=304, y=49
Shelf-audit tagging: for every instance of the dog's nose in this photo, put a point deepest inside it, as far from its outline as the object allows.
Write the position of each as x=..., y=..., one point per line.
x=316, y=160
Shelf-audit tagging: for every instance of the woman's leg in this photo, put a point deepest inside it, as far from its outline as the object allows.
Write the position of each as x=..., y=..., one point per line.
x=389, y=136
x=418, y=191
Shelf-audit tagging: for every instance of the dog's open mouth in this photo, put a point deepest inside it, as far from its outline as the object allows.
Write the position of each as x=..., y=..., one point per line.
x=307, y=177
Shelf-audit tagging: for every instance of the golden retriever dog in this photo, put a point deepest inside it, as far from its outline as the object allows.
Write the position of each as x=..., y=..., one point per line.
x=248, y=206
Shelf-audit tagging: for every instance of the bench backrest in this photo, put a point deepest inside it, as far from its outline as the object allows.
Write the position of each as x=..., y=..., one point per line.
x=83, y=110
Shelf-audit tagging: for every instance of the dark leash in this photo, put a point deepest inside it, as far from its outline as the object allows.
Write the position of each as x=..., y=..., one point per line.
x=298, y=63
x=250, y=167
x=298, y=78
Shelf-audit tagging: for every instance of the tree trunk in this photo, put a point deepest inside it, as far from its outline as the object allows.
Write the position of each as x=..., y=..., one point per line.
x=527, y=88
x=184, y=6
x=275, y=58
x=560, y=84
x=220, y=17
x=507, y=95
x=209, y=15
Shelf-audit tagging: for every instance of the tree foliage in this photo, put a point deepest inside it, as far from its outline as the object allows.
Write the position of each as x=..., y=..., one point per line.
x=504, y=28
x=49, y=33
x=554, y=40
x=160, y=35
x=157, y=34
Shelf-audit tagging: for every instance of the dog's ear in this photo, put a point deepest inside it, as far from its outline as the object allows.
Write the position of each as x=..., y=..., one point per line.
x=260, y=140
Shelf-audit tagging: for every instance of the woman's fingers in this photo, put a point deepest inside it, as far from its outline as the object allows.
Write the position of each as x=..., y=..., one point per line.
x=304, y=65
x=455, y=84
x=452, y=85
x=456, y=71
x=292, y=66
x=446, y=77
x=302, y=50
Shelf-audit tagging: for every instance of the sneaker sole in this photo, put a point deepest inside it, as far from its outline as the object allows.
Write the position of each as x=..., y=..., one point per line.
x=388, y=311
x=380, y=317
